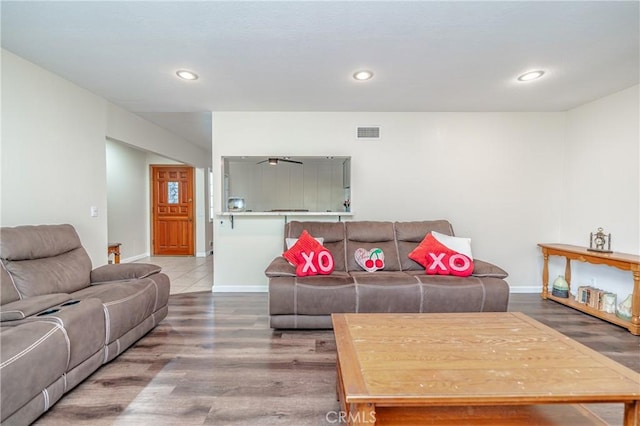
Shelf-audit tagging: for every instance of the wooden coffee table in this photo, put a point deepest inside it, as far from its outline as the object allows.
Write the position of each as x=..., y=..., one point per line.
x=478, y=367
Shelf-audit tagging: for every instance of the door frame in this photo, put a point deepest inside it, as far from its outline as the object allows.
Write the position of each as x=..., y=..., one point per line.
x=152, y=206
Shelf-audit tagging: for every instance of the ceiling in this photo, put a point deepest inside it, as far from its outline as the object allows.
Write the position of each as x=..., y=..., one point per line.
x=300, y=55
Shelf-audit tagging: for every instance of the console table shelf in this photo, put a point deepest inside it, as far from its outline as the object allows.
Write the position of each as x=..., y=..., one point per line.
x=624, y=261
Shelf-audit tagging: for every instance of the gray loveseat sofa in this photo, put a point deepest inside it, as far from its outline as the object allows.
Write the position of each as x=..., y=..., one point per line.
x=402, y=286
x=60, y=320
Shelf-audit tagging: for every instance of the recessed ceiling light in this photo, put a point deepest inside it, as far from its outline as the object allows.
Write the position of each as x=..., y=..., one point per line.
x=363, y=75
x=187, y=75
x=531, y=75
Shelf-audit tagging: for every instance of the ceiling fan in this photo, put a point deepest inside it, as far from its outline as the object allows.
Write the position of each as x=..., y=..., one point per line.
x=274, y=161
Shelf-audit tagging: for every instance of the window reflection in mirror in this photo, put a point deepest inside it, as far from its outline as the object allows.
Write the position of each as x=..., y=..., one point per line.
x=281, y=183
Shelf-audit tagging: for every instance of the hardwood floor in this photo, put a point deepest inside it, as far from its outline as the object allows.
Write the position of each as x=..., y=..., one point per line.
x=215, y=361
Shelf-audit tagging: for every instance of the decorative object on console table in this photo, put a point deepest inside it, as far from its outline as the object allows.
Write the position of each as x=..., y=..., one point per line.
x=599, y=240
x=560, y=287
x=623, y=261
x=347, y=205
x=624, y=309
x=609, y=304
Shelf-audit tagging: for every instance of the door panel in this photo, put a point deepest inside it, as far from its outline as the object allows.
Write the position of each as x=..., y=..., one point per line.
x=173, y=210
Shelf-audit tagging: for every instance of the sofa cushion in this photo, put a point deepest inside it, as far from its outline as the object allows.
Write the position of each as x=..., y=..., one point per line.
x=368, y=235
x=448, y=293
x=332, y=232
x=309, y=256
x=315, y=295
x=444, y=255
x=84, y=324
x=34, y=355
x=305, y=243
x=36, y=242
x=125, y=303
x=64, y=273
x=8, y=291
x=291, y=241
x=410, y=234
x=389, y=297
x=44, y=259
x=370, y=260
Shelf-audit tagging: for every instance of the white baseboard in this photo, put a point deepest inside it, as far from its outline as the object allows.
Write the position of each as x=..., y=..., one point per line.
x=201, y=254
x=134, y=258
x=239, y=289
x=526, y=289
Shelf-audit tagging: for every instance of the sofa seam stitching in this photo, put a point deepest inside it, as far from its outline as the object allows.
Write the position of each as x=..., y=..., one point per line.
x=106, y=324
x=12, y=280
x=357, y=287
x=60, y=323
x=45, y=395
x=30, y=348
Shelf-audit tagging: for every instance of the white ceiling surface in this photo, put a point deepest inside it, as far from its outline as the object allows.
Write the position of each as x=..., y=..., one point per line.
x=300, y=55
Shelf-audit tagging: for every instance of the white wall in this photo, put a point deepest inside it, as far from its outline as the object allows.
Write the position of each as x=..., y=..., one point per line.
x=601, y=186
x=128, y=200
x=127, y=127
x=485, y=172
x=53, y=154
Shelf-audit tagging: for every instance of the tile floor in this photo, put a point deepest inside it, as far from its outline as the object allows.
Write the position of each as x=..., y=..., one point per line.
x=187, y=274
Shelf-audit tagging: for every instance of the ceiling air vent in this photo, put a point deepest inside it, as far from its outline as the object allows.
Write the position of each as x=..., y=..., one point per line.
x=368, y=133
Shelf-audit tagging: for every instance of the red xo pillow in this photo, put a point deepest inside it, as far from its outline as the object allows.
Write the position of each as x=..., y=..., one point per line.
x=442, y=254
x=309, y=256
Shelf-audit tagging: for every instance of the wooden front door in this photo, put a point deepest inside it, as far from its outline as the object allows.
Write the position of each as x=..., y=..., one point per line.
x=172, y=210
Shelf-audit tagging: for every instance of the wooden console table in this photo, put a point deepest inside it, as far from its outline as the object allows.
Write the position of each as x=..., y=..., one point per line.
x=115, y=249
x=624, y=261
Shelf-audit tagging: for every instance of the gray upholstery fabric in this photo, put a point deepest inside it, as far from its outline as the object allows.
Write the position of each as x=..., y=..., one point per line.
x=126, y=304
x=63, y=273
x=8, y=291
x=123, y=271
x=60, y=321
x=486, y=269
x=280, y=267
x=44, y=259
x=73, y=316
x=37, y=242
x=23, y=347
x=20, y=309
x=402, y=286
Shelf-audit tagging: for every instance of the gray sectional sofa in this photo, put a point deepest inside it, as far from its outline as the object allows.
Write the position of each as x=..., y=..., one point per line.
x=60, y=320
x=402, y=286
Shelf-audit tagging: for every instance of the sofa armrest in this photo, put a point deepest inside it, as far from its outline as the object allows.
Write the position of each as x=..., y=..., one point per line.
x=21, y=309
x=486, y=269
x=123, y=271
x=280, y=267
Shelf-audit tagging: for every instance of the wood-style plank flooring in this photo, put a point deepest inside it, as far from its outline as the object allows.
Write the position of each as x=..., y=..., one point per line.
x=215, y=361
